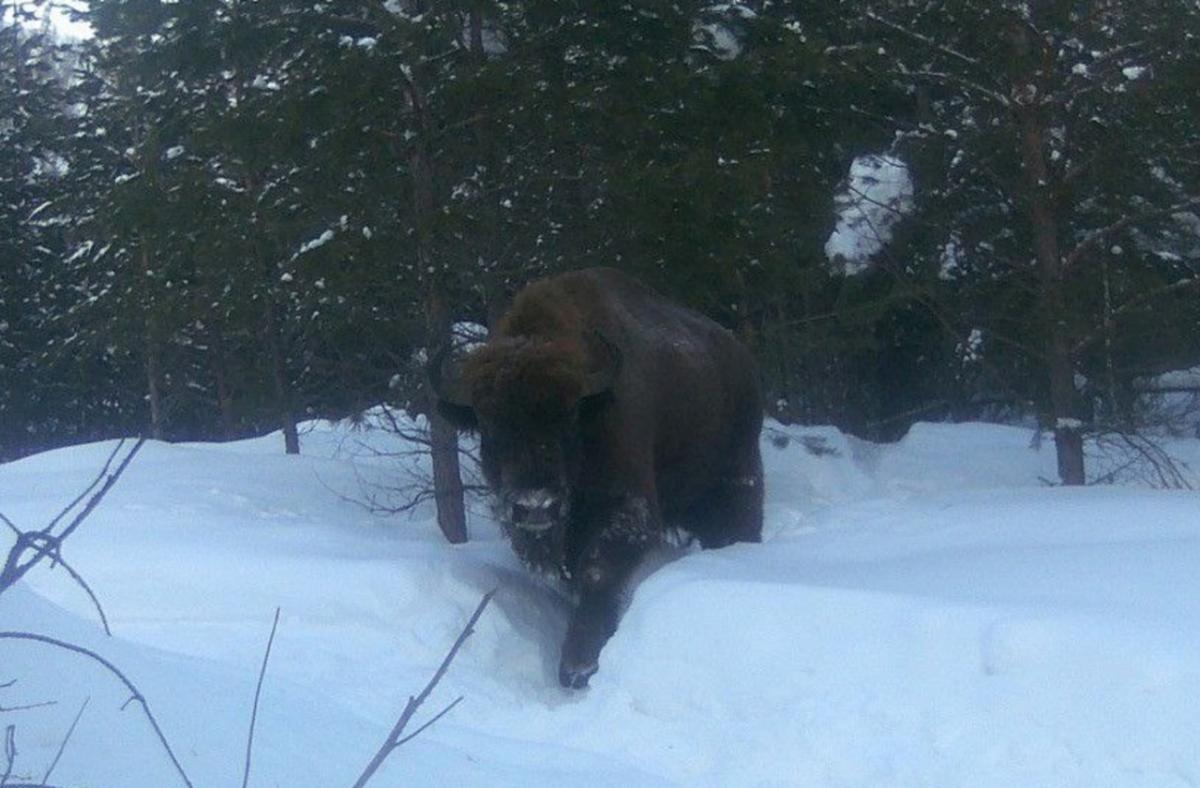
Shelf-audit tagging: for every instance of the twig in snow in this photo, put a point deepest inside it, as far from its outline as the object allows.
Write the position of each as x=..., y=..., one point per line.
x=394, y=739
x=67, y=738
x=52, y=546
x=135, y=693
x=262, y=672
x=10, y=752
x=45, y=543
x=86, y=490
x=95, y=500
x=28, y=706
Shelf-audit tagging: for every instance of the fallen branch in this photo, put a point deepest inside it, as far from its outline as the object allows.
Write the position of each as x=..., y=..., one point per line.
x=394, y=739
x=28, y=706
x=52, y=546
x=10, y=752
x=262, y=672
x=33, y=546
x=135, y=693
x=66, y=739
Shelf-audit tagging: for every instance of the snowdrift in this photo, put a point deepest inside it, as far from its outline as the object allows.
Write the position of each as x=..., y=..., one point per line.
x=927, y=613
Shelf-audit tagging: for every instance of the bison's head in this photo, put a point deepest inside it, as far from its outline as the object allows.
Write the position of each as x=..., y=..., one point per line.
x=524, y=396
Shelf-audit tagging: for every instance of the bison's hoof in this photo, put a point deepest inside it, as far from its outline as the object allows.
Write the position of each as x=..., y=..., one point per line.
x=575, y=676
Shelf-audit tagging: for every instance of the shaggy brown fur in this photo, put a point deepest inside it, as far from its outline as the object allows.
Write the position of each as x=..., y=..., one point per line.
x=606, y=415
x=541, y=311
x=526, y=380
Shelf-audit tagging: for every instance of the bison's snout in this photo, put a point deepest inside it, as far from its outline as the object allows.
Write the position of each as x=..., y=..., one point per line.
x=536, y=510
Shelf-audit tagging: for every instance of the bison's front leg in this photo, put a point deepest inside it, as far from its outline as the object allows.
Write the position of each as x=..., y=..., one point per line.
x=620, y=537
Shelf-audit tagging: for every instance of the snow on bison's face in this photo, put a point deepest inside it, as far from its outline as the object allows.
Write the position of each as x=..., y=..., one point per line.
x=524, y=397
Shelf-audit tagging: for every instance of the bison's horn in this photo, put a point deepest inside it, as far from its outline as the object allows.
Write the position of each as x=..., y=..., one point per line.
x=448, y=388
x=607, y=365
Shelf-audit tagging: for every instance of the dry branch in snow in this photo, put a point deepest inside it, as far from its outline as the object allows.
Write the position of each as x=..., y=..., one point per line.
x=394, y=739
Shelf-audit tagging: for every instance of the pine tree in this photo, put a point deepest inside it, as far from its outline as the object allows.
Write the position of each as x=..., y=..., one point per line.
x=1043, y=135
x=36, y=122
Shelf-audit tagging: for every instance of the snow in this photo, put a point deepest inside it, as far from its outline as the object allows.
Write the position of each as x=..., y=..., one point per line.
x=878, y=193
x=717, y=39
x=262, y=82
x=719, y=31
x=468, y=336
x=926, y=613
x=1178, y=378
x=316, y=243
x=1173, y=399
x=66, y=27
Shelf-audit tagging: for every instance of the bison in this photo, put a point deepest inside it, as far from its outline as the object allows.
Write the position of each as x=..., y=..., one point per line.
x=606, y=416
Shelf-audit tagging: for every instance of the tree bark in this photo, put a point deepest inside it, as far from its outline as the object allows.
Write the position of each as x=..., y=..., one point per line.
x=153, y=386
x=443, y=437
x=279, y=379
x=153, y=355
x=1064, y=405
x=224, y=392
x=489, y=259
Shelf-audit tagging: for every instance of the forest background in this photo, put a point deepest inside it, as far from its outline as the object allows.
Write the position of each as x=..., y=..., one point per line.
x=218, y=217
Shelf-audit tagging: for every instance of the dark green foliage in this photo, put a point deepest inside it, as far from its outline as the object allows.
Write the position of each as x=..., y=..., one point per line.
x=218, y=211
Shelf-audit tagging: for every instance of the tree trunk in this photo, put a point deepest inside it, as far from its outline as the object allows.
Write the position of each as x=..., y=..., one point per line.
x=153, y=385
x=443, y=437
x=1064, y=406
x=279, y=379
x=153, y=356
x=492, y=266
x=224, y=393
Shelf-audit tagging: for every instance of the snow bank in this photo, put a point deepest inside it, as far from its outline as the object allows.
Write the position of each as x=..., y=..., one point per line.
x=922, y=613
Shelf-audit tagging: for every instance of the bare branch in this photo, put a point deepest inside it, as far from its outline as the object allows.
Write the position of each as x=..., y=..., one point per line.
x=434, y=719
x=95, y=500
x=1128, y=221
x=135, y=693
x=86, y=490
x=257, y=692
x=78, y=578
x=1136, y=302
x=393, y=740
x=10, y=753
x=928, y=42
x=946, y=78
x=1165, y=471
x=52, y=546
x=12, y=527
x=67, y=738
x=14, y=570
x=28, y=706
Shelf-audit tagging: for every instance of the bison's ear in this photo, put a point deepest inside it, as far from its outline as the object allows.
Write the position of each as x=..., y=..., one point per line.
x=604, y=366
x=453, y=398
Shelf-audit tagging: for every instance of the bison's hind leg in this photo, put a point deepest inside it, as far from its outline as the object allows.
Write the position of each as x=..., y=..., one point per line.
x=732, y=509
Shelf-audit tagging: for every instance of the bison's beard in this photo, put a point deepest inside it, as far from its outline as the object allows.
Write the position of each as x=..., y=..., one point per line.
x=542, y=551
